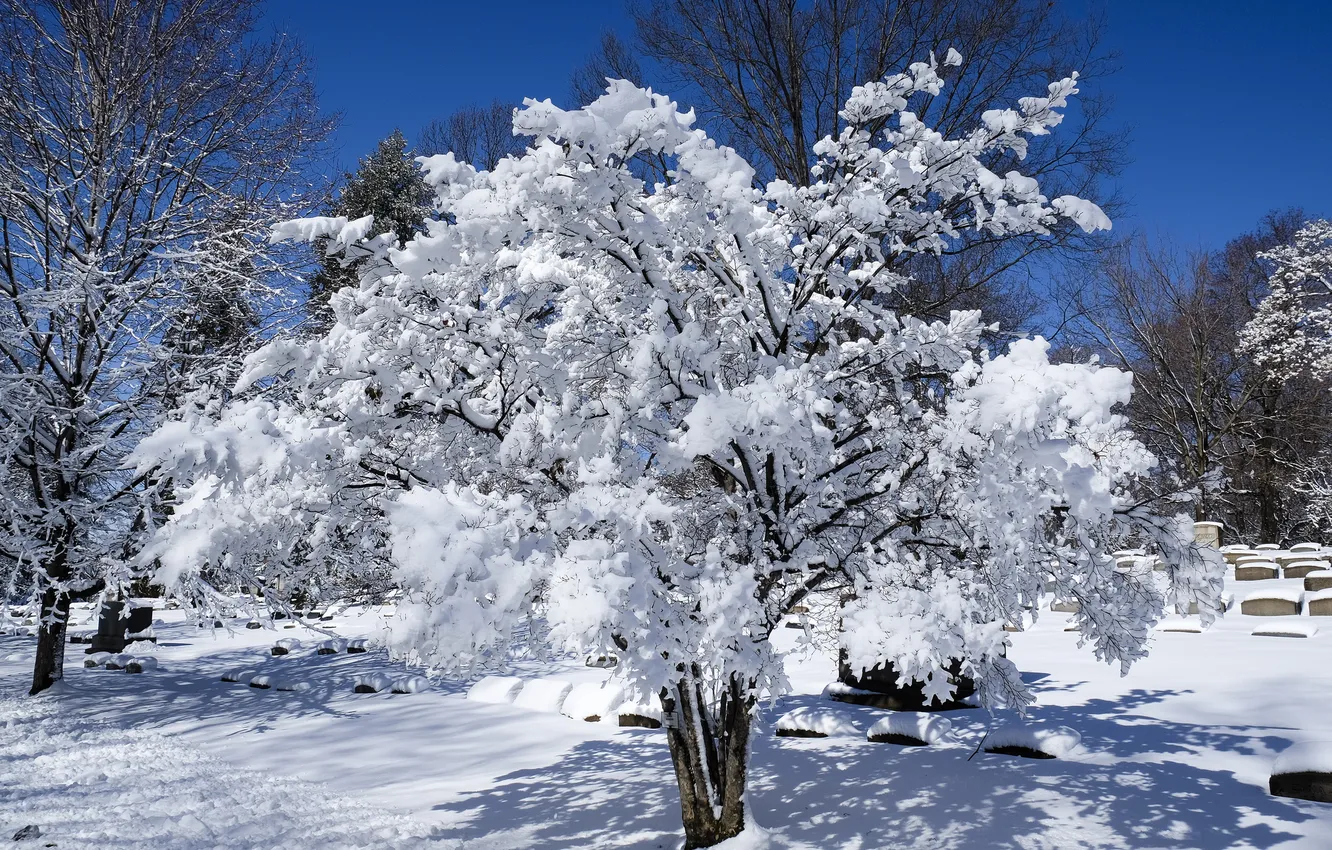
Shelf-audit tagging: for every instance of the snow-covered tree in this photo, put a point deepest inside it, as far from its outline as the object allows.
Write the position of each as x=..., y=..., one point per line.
x=146, y=147
x=1291, y=332
x=386, y=185
x=659, y=417
x=1290, y=339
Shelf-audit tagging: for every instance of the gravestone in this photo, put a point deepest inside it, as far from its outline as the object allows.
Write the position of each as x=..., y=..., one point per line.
x=641, y=721
x=1305, y=785
x=878, y=687
x=1255, y=572
x=1207, y=534
x=1315, y=582
x=140, y=617
x=110, y=635
x=1300, y=569
x=1267, y=606
x=1320, y=607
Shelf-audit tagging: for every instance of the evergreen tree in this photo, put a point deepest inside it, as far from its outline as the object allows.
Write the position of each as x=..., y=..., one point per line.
x=388, y=186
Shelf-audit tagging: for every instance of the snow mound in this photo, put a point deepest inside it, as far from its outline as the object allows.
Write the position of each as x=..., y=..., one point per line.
x=815, y=723
x=1185, y=626
x=643, y=713
x=297, y=687
x=1306, y=547
x=286, y=646
x=495, y=689
x=371, y=683
x=331, y=647
x=1056, y=741
x=96, y=659
x=410, y=685
x=356, y=645
x=833, y=690
x=546, y=695
x=141, y=665
x=1312, y=756
x=1319, y=595
x=240, y=675
x=1266, y=547
x=262, y=683
x=118, y=661
x=929, y=728
x=1285, y=594
x=1257, y=561
x=1319, y=574
x=1297, y=630
x=592, y=701
x=141, y=647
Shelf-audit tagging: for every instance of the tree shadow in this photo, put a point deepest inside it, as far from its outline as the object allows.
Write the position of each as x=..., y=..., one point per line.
x=1139, y=783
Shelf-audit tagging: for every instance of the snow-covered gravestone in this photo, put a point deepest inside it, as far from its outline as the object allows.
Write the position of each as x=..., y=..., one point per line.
x=660, y=416
x=1207, y=533
x=1304, y=771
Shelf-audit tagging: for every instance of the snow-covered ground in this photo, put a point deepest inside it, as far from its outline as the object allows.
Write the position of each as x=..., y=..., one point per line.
x=1177, y=754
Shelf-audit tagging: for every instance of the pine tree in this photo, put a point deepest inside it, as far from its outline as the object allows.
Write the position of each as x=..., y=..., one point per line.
x=388, y=186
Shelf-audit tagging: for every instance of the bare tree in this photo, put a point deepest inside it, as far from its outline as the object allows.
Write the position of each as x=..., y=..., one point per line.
x=481, y=135
x=768, y=76
x=1222, y=424
x=146, y=146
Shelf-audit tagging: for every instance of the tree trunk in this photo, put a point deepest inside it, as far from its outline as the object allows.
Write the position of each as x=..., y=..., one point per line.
x=710, y=751
x=48, y=668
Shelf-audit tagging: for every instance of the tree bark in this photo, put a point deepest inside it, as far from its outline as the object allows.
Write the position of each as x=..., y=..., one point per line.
x=48, y=668
x=710, y=751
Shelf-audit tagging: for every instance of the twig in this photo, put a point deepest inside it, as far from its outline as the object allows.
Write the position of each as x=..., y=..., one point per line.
x=981, y=744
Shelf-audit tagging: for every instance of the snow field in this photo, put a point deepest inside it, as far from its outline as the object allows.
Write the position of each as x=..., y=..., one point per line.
x=86, y=784
x=1204, y=716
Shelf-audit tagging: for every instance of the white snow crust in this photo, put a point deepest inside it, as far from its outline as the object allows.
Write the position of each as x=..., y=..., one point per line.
x=1288, y=594
x=410, y=685
x=823, y=720
x=546, y=695
x=925, y=726
x=1286, y=629
x=1313, y=756
x=378, y=681
x=589, y=699
x=1058, y=741
x=495, y=689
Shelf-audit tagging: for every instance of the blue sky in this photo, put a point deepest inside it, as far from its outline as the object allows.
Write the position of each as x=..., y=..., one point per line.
x=1229, y=102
